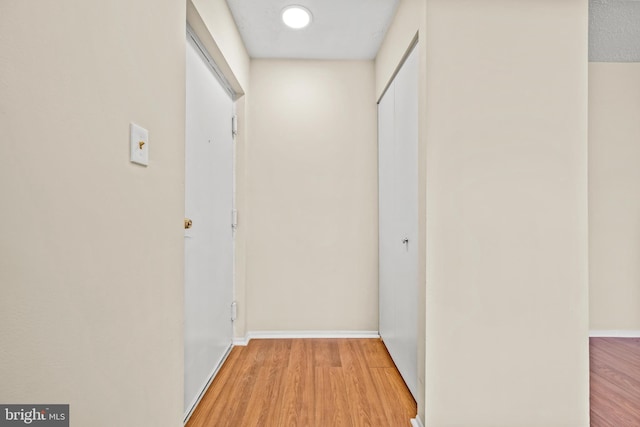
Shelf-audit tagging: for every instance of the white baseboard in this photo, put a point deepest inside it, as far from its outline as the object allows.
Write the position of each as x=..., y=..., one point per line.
x=303, y=334
x=614, y=334
x=415, y=422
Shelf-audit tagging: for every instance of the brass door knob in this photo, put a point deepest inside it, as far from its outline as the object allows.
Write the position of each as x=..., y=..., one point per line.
x=187, y=223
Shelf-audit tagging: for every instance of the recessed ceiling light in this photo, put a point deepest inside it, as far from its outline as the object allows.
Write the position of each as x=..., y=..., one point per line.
x=296, y=17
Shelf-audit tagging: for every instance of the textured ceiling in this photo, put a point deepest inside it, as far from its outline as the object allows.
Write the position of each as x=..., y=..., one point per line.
x=614, y=31
x=341, y=29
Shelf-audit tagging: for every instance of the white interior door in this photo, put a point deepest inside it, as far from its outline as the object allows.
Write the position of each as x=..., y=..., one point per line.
x=398, y=218
x=209, y=242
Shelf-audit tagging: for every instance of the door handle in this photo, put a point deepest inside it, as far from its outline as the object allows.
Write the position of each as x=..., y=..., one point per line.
x=405, y=241
x=187, y=223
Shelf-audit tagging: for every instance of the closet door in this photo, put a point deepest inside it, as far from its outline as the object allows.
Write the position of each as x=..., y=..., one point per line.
x=388, y=224
x=398, y=219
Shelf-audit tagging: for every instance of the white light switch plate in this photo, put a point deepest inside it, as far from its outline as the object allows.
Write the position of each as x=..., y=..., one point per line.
x=139, y=145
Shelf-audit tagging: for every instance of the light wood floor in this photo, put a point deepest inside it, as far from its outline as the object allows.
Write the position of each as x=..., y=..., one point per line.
x=307, y=383
x=615, y=382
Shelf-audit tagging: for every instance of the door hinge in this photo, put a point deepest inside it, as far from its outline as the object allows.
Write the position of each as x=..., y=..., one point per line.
x=234, y=125
x=234, y=218
x=234, y=311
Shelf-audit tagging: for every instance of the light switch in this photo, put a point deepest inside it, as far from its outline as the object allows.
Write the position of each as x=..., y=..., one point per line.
x=139, y=145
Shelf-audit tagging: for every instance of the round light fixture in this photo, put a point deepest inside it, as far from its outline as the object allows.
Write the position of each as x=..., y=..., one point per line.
x=296, y=17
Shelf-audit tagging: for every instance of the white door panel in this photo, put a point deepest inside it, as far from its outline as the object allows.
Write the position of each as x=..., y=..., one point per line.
x=386, y=213
x=398, y=216
x=209, y=243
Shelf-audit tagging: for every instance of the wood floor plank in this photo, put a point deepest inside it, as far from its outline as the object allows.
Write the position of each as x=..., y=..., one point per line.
x=326, y=353
x=361, y=392
x=391, y=388
x=279, y=351
x=597, y=420
x=620, y=350
x=306, y=383
x=402, y=394
x=331, y=405
x=628, y=386
x=376, y=354
x=260, y=407
x=615, y=382
x=269, y=386
x=298, y=397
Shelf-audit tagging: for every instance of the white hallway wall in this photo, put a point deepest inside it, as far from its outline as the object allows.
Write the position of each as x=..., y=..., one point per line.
x=614, y=205
x=312, y=191
x=507, y=253
x=91, y=246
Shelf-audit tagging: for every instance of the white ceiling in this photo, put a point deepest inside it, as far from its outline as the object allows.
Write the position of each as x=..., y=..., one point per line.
x=340, y=29
x=614, y=33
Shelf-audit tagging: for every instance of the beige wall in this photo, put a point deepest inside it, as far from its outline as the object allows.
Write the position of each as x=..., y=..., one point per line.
x=614, y=205
x=408, y=21
x=507, y=297
x=312, y=248
x=91, y=246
